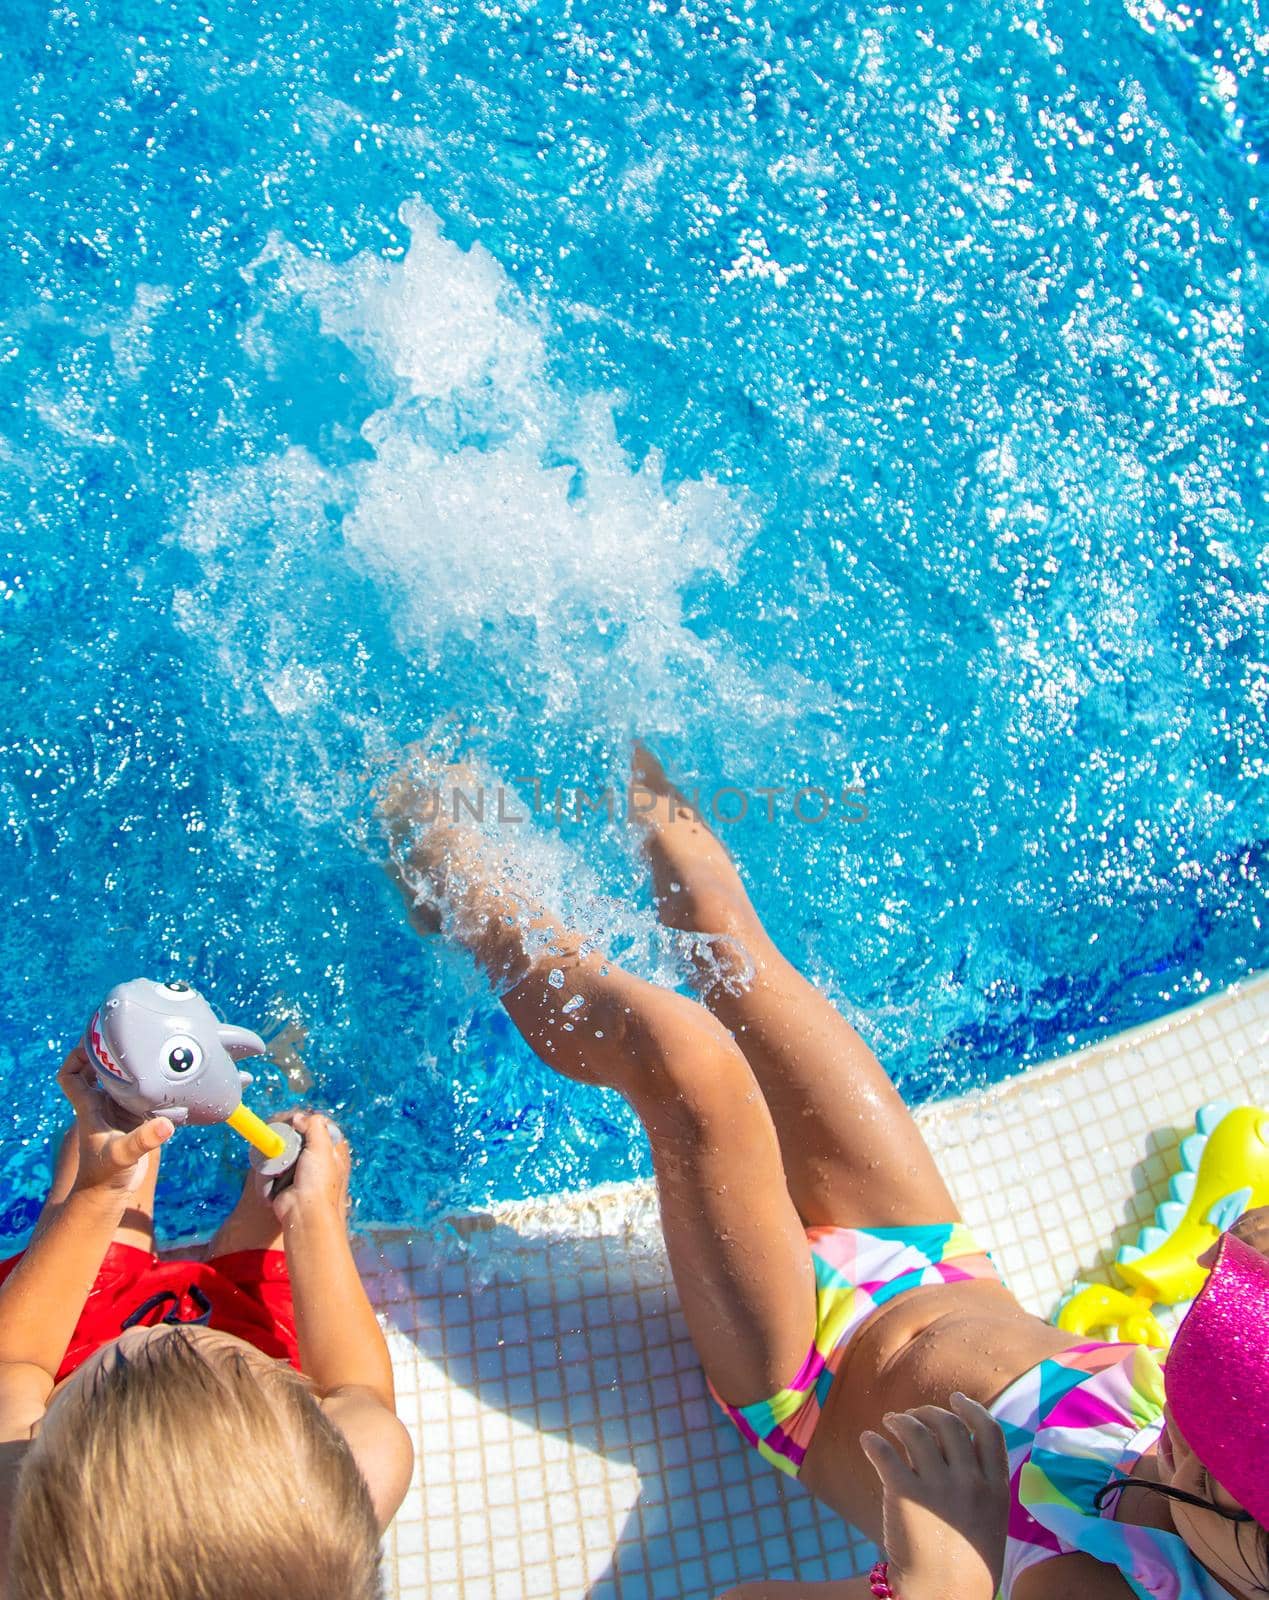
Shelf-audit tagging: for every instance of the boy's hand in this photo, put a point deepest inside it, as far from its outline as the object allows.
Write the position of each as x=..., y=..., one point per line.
x=321, y=1173
x=946, y=1500
x=111, y=1154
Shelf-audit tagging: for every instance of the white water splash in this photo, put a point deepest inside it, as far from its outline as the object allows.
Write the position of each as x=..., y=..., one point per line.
x=499, y=510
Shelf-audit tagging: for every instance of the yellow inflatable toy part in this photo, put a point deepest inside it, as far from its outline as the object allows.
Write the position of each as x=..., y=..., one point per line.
x=1224, y=1172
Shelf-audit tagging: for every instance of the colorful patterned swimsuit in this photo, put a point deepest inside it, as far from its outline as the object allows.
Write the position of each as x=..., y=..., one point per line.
x=856, y=1270
x=1071, y=1423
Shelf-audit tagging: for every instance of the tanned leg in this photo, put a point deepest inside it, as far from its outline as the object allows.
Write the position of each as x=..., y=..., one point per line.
x=853, y=1156
x=251, y=1225
x=736, y=1245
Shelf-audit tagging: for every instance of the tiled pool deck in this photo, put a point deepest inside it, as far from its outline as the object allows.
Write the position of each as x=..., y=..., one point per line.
x=566, y=1445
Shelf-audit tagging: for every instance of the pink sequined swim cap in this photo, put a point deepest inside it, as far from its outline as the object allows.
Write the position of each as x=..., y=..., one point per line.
x=1217, y=1375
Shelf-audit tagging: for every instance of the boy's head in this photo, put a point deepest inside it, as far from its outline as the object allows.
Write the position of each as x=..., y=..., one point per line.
x=181, y=1464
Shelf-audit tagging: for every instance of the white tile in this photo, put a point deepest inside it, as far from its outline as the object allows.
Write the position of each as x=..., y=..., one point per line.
x=533, y=1515
x=441, y=1532
x=539, y=1582
x=409, y=1536
x=442, y=1566
x=472, y=1528
x=470, y=1496
x=536, y=1547
x=412, y=1572
x=571, y=1576
x=475, y=1561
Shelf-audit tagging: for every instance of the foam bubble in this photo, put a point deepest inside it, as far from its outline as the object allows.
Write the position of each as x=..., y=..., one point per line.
x=436, y=320
x=522, y=557
x=501, y=509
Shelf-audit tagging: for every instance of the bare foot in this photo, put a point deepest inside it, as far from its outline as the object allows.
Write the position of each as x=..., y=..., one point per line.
x=429, y=853
x=583, y=1016
x=460, y=880
x=695, y=883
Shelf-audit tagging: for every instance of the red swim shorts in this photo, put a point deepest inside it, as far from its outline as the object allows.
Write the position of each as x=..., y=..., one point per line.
x=247, y=1293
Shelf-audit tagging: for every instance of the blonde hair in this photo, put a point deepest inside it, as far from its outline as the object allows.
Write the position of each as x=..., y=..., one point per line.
x=187, y=1470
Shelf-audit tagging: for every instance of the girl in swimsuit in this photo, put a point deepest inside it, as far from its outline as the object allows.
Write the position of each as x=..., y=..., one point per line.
x=848, y=1323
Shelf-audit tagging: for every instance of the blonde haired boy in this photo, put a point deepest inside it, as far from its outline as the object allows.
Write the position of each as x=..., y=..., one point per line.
x=176, y=1461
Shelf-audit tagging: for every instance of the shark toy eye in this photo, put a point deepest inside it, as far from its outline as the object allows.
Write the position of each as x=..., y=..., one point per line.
x=183, y=1056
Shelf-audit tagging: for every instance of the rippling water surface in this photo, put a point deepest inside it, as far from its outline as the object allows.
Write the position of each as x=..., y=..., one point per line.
x=836, y=394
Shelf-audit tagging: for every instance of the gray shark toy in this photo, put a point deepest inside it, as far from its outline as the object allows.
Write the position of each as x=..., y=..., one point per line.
x=160, y=1049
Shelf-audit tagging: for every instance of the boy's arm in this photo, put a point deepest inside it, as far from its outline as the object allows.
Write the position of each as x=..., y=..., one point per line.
x=342, y=1348
x=380, y=1444
x=341, y=1343
x=42, y=1298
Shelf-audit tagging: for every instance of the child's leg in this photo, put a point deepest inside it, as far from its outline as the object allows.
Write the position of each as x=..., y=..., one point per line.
x=136, y=1227
x=251, y=1225
x=736, y=1246
x=853, y=1156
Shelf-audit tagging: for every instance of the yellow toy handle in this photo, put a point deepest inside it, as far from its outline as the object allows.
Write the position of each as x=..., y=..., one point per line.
x=1096, y=1308
x=268, y=1141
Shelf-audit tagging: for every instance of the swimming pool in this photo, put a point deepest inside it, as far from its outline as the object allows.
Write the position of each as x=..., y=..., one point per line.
x=841, y=396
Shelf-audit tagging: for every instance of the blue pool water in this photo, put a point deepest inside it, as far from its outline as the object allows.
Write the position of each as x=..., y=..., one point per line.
x=838, y=394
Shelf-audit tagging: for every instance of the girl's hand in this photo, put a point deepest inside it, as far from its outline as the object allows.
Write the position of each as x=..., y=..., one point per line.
x=946, y=1500
x=321, y=1173
x=112, y=1152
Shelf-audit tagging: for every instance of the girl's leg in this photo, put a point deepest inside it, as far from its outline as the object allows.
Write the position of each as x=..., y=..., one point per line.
x=853, y=1156
x=736, y=1245
x=737, y=1249
x=136, y=1227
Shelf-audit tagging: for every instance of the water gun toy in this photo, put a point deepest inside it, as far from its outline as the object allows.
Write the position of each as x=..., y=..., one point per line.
x=1224, y=1172
x=159, y=1048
